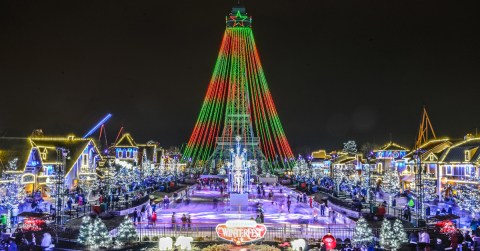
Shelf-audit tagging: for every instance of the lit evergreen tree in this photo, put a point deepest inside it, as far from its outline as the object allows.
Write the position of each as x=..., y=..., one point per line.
x=399, y=234
x=391, y=183
x=386, y=235
x=362, y=235
x=126, y=232
x=350, y=147
x=85, y=236
x=99, y=235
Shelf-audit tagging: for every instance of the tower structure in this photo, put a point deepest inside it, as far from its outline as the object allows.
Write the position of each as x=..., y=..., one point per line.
x=238, y=103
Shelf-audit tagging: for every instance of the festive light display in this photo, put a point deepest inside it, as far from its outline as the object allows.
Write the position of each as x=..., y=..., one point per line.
x=238, y=101
x=392, y=237
x=126, y=232
x=94, y=234
x=468, y=197
x=391, y=182
x=362, y=235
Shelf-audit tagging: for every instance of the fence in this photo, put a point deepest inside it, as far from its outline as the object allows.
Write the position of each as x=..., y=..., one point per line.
x=207, y=232
x=275, y=232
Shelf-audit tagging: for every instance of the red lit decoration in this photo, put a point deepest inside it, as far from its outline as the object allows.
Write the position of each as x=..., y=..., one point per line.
x=446, y=227
x=33, y=224
x=329, y=241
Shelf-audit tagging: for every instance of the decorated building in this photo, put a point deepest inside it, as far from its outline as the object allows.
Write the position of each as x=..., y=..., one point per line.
x=321, y=162
x=427, y=156
x=126, y=149
x=390, y=156
x=37, y=160
x=459, y=165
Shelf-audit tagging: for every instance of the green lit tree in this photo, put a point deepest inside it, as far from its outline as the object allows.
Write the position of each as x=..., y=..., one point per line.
x=362, y=235
x=85, y=235
x=400, y=236
x=126, y=232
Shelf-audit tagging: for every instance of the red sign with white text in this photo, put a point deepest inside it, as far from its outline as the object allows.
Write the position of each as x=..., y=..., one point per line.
x=241, y=231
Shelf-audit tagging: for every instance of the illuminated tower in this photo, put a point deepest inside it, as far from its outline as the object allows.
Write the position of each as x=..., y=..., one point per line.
x=238, y=103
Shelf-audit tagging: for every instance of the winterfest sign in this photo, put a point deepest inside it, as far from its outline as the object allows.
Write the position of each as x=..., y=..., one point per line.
x=241, y=231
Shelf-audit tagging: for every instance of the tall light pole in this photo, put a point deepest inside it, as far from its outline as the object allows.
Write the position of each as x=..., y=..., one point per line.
x=62, y=154
x=420, y=188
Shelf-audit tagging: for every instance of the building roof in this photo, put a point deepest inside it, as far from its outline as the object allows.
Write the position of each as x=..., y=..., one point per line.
x=320, y=154
x=126, y=141
x=11, y=148
x=435, y=146
x=456, y=153
x=391, y=146
x=76, y=146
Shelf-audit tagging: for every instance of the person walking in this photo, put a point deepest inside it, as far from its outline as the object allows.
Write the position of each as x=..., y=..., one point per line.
x=262, y=217
x=289, y=203
x=189, y=221
x=258, y=220
x=153, y=218
x=135, y=216
x=322, y=209
x=184, y=221
x=311, y=202
x=174, y=225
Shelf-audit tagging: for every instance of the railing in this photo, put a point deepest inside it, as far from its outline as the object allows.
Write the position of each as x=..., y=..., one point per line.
x=275, y=232
x=207, y=232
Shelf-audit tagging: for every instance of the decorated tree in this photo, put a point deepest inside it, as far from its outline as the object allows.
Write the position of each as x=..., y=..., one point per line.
x=400, y=236
x=387, y=237
x=362, y=235
x=99, y=234
x=391, y=183
x=85, y=235
x=350, y=147
x=468, y=197
x=126, y=232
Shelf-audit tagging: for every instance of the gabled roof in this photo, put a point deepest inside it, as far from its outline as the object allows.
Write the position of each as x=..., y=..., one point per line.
x=76, y=146
x=456, y=153
x=391, y=146
x=11, y=148
x=126, y=141
x=436, y=146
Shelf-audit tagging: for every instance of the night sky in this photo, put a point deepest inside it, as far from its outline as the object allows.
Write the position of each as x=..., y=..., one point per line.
x=337, y=70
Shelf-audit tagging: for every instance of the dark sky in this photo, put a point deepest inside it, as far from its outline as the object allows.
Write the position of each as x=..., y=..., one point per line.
x=338, y=70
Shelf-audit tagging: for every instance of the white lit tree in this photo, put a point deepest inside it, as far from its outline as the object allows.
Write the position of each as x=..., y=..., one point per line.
x=12, y=192
x=400, y=236
x=362, y=235
x=468, y=197
x=100, y=235
x=350, y=147
x=391, y=183
x=126, y=232
x=94, y=234
x=85, y=235
x=387, y=237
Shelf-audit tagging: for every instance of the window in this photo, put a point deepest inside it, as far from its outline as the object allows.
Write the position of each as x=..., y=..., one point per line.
x=467, y=155
x=379, y=167
x=120, y=154
x=448, y=170
x=85, y=160
x=128, y=154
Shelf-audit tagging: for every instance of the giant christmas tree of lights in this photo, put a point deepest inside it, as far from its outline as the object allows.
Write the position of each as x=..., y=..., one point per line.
x=238, y=103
